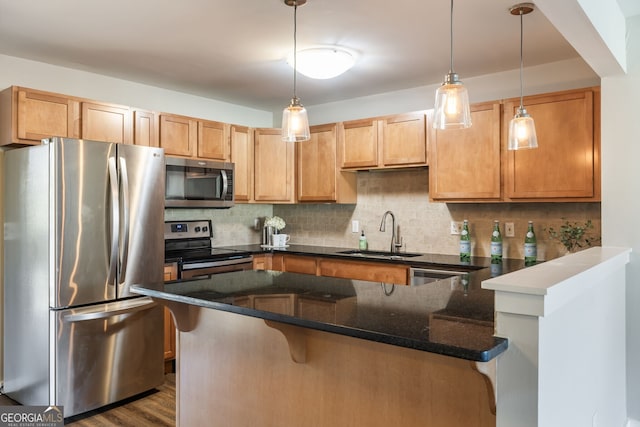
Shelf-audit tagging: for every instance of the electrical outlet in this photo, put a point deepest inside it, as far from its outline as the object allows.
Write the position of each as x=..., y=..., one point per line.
x=509, y=229
x=355, y=226
x=456, y=227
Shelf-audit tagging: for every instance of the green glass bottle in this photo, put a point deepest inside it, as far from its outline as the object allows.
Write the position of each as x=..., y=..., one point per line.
x=465, y=243
x=530, y=246
x=496, y=244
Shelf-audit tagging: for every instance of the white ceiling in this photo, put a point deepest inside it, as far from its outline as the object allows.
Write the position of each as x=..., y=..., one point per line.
x=234, y=50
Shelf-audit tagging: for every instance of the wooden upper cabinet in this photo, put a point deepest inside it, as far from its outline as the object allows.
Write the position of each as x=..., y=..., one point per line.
x=404, y=141
x=145, y=128
x=274, y=167
x=27, y=116
x=360, y=144
x=464, y=164
x=178, y=135
x=106, y=122
x=565, y=166
x=242, y=158
x=213, y=140
x=318, y=176
x=385, y=142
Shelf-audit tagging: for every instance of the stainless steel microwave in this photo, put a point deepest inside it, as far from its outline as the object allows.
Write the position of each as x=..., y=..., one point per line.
x=198, y=184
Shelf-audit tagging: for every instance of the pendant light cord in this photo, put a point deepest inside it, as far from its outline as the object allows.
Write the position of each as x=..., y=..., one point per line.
x=451, y=39
x=521, y=61
x=295, y=49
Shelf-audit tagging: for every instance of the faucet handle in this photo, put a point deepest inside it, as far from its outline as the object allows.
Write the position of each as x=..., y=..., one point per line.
x=398, y=243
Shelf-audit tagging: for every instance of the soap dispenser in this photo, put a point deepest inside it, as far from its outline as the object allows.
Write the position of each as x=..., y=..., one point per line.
x=362, y=244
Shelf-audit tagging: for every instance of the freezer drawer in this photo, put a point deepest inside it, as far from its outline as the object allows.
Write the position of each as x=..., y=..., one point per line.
x=106, y=353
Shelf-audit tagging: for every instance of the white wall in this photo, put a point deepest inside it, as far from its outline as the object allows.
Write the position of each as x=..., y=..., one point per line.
x=38, y=75
x=621, y=192
x=563, y=75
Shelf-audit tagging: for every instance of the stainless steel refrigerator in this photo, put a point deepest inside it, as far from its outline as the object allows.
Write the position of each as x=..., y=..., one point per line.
x=83, y=222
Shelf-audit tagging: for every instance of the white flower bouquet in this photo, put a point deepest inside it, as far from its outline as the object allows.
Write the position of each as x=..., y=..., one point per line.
x=275, y=222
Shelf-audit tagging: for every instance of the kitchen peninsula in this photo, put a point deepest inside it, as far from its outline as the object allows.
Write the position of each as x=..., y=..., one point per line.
x=363, y=353
x=286, y=349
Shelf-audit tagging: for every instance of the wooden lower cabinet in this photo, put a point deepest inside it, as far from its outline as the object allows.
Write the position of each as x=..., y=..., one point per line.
x=333, y=267
x=358, y=270
x=300, y=264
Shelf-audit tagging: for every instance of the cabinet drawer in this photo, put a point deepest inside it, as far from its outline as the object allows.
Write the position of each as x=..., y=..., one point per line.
x=374, y=272
x=299, y=264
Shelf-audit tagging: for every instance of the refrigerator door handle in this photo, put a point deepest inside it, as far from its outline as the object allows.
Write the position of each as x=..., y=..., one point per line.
x=124, y=176
x=225, y=184
x=144, y=304
x=115, y=220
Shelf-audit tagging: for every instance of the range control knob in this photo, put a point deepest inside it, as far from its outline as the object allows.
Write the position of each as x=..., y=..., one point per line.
x=197, y=229
x=205, y=229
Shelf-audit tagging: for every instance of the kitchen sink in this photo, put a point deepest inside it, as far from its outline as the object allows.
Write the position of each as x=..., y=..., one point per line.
x=385, y=254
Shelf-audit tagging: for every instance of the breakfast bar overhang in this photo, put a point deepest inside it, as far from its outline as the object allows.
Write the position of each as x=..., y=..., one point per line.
x=284, y=349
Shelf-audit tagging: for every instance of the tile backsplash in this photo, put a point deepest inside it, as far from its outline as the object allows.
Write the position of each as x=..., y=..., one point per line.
x=424, y=225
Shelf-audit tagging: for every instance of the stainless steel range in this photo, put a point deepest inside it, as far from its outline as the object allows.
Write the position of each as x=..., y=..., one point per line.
x=189, y=245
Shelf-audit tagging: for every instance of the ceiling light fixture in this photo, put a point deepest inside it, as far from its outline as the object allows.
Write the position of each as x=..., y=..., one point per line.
x=295, y=123
x=323, y=62
x=452, y=101
x=522, y=130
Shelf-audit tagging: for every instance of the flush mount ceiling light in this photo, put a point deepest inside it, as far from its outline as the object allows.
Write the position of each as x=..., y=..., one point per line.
x=323, y=62
x=452, y=101
x=522, y=130
x=295, y=123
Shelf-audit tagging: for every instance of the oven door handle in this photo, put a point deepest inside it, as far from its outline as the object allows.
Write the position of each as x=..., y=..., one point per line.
x=221, y=263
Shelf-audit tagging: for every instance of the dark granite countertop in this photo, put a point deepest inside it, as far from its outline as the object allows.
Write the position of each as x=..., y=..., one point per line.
x=452, y=317
x=422, y=260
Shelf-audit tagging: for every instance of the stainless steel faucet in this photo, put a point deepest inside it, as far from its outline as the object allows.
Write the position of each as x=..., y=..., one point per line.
x=396, y=241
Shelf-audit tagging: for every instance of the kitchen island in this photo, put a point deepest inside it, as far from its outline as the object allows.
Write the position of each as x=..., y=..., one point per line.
x=284, y=349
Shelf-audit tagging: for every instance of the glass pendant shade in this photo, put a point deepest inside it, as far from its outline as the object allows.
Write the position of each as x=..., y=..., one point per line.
x=452, y=105
x=522, y=131
x=452, y=109
x=295, y=123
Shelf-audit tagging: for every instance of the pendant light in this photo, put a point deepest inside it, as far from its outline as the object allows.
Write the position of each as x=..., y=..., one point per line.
x=522, y=130
x=452, y=101
x=295, y=123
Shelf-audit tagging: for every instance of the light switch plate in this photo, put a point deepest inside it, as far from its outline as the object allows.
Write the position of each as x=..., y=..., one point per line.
x=509, y=229
x=355, y=226
x=456, y=227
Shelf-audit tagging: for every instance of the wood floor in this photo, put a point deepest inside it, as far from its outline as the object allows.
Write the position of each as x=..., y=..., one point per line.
x=156, y=408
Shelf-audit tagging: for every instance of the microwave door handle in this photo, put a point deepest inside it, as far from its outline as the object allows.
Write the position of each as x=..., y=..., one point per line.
x=114, y=220
x=225, y=184
x=124, y=176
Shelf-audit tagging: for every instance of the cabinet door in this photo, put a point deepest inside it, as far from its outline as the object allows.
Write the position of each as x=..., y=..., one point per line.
x=360, y=144
x=105, y=122
x=43, y=115
x=178, y=135
x=404, y=140
x=213, y=140
x=242, y=158
x=316, y=165
x=564, y=164
x=145, y=128
x=274, y=167
x=464, y=164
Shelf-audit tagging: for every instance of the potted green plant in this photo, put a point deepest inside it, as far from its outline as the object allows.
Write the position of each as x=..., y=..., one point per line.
x=574, y=236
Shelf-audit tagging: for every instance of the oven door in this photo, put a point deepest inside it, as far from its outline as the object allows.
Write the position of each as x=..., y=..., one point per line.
x=190, y=270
